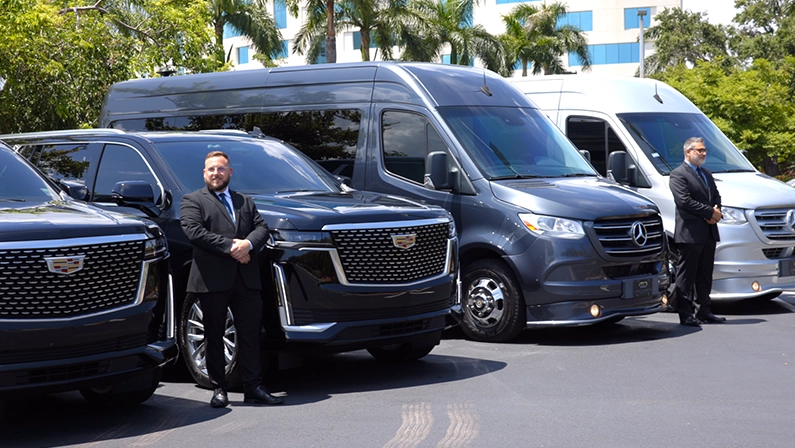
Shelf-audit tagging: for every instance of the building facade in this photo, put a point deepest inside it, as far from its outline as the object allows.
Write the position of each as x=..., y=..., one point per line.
x=612, y=28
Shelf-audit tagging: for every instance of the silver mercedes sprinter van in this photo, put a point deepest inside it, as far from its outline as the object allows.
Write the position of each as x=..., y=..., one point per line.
x=544, y=239
x=634, y=129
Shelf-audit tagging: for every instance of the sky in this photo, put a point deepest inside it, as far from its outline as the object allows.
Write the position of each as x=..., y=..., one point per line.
x=718, y=11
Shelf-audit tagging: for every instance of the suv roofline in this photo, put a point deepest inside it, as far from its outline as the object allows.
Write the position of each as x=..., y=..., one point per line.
x=97, y=131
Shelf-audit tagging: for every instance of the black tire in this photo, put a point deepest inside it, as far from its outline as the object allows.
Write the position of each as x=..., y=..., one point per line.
x=192, y=348
x=399, y=353
x=494, y=309
x=130, y=392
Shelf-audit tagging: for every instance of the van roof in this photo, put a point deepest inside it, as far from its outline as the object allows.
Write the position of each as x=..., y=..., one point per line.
x=611, y=94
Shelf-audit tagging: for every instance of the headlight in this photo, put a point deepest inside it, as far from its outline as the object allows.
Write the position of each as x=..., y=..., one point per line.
x=295, y=238
x=157, y=245
x=733, y=215
x=451, y=231
x=552, y=226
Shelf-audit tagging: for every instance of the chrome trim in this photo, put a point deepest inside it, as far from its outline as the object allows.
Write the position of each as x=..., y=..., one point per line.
x=53, y=244
x=171, y=329
x=282, y=297
x=314, y=328
x=383, y=224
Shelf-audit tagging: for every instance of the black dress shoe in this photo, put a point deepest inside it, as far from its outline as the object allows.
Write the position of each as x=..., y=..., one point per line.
x=689, y=320
x=711, y=319
x=220, y=399
x=261, y=396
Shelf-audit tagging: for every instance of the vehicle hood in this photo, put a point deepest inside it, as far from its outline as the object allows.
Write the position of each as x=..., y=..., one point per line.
x=311, y=211
x=60, y=220
x=753, y=190
x=579, y=198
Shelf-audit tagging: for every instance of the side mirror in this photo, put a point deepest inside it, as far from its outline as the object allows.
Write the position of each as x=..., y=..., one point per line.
x=74, y=189
x=137, y=194
x=621, y=169
x=437, y=175
x=585, y=153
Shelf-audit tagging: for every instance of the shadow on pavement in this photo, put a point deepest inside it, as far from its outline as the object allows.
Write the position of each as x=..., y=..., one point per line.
x=67, y=419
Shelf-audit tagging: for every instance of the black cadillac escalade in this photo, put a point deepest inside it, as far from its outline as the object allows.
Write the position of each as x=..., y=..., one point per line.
x=85, y=294
x=345, y=269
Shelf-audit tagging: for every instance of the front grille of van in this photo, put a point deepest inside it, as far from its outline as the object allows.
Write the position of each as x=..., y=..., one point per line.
x=371, y=256
x=109, y=279
x=622, y=238
x=774, y=224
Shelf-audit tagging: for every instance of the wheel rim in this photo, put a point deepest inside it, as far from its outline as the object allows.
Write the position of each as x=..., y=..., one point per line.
x=486, y=302
x=194, y=337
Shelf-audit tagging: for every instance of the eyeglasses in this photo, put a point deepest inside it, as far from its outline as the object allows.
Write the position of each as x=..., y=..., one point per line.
x=700, y=150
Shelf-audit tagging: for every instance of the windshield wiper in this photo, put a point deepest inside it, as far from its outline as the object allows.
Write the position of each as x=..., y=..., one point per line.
x=579, y=175
x=301, y=191
x=735, y=171
x=518, y=176
x=11, y=200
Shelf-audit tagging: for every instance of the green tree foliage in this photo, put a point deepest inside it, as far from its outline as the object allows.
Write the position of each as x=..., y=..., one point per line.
x=766, y=29
x=685, y=37
x=533, y=37
x=313, y=47
x=376, y=21
x=753, y=106
x=431, y=27
x=252, y=19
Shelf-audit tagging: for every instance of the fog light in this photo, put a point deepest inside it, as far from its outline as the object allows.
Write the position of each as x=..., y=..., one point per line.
x=756, y=287
x=595, y=311
x=665, y=300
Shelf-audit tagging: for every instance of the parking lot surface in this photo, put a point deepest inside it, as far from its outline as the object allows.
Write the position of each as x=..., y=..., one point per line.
x=644, y=382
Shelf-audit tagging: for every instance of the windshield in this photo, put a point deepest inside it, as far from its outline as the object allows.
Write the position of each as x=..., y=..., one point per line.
x=20, y=183
x=661, y=137
x=514, y=142
x=258, y=166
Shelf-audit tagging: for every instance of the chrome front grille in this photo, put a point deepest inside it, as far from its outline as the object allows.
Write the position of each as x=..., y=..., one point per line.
x=109, y=279
x=371, y=256
x=775, y=224
x=630, y=237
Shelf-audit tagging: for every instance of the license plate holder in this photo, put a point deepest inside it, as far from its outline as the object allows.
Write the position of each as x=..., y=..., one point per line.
x=786, y=268
x=638, y=288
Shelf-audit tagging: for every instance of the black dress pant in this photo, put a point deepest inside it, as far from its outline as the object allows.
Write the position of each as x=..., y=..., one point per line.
x=246, y=306
x=694, y=276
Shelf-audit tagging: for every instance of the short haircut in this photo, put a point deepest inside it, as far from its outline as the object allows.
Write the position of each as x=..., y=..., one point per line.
x=691, y=142
x=217, y=154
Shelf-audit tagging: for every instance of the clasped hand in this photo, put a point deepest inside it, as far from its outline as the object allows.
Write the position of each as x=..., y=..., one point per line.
x=716, y=215
x=240, y=251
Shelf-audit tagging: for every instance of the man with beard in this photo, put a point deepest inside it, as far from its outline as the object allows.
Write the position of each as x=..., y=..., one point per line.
x=226, y=231
x=697, y=215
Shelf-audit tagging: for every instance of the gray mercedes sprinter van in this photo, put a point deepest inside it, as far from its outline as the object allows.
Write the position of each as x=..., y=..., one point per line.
x=544, y=239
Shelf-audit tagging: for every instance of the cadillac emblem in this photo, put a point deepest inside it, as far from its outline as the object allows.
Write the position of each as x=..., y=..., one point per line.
x=404, y=241
x=65, y=265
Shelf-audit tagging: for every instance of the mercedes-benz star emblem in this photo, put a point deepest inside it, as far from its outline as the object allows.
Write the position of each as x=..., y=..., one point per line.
x=791, y=220
x=639, y=234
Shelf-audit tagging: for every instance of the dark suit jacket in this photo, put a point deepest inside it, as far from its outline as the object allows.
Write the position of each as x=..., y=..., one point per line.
x=206, y=222
x=694, y=202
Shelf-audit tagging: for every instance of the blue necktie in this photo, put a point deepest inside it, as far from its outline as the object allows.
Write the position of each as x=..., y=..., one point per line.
x=222, y=197
x=701, y=175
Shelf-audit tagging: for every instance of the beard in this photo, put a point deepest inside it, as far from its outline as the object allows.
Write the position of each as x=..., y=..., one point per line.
x=220, y=186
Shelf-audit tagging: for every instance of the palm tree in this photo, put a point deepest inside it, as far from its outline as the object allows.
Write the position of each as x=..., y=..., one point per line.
x=430, y=27
x=252, y=19
x=374, y=19
x=533, y=37
x=317, y=9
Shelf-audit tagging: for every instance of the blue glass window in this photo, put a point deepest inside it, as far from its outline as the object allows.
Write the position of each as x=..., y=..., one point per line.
x=631, y=19
x=582, y=20
x=357, y=41
x=283, y=53
x=321, y=59
x=601, y=54
x=280, y=13
x=230, y=31
x=242, y=55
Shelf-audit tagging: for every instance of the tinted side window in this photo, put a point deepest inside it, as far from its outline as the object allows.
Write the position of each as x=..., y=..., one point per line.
x=120, y=163
x=70, y=162
x=407, y=139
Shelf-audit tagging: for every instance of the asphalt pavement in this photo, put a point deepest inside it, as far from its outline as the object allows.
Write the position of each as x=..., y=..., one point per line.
x=644, y=382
